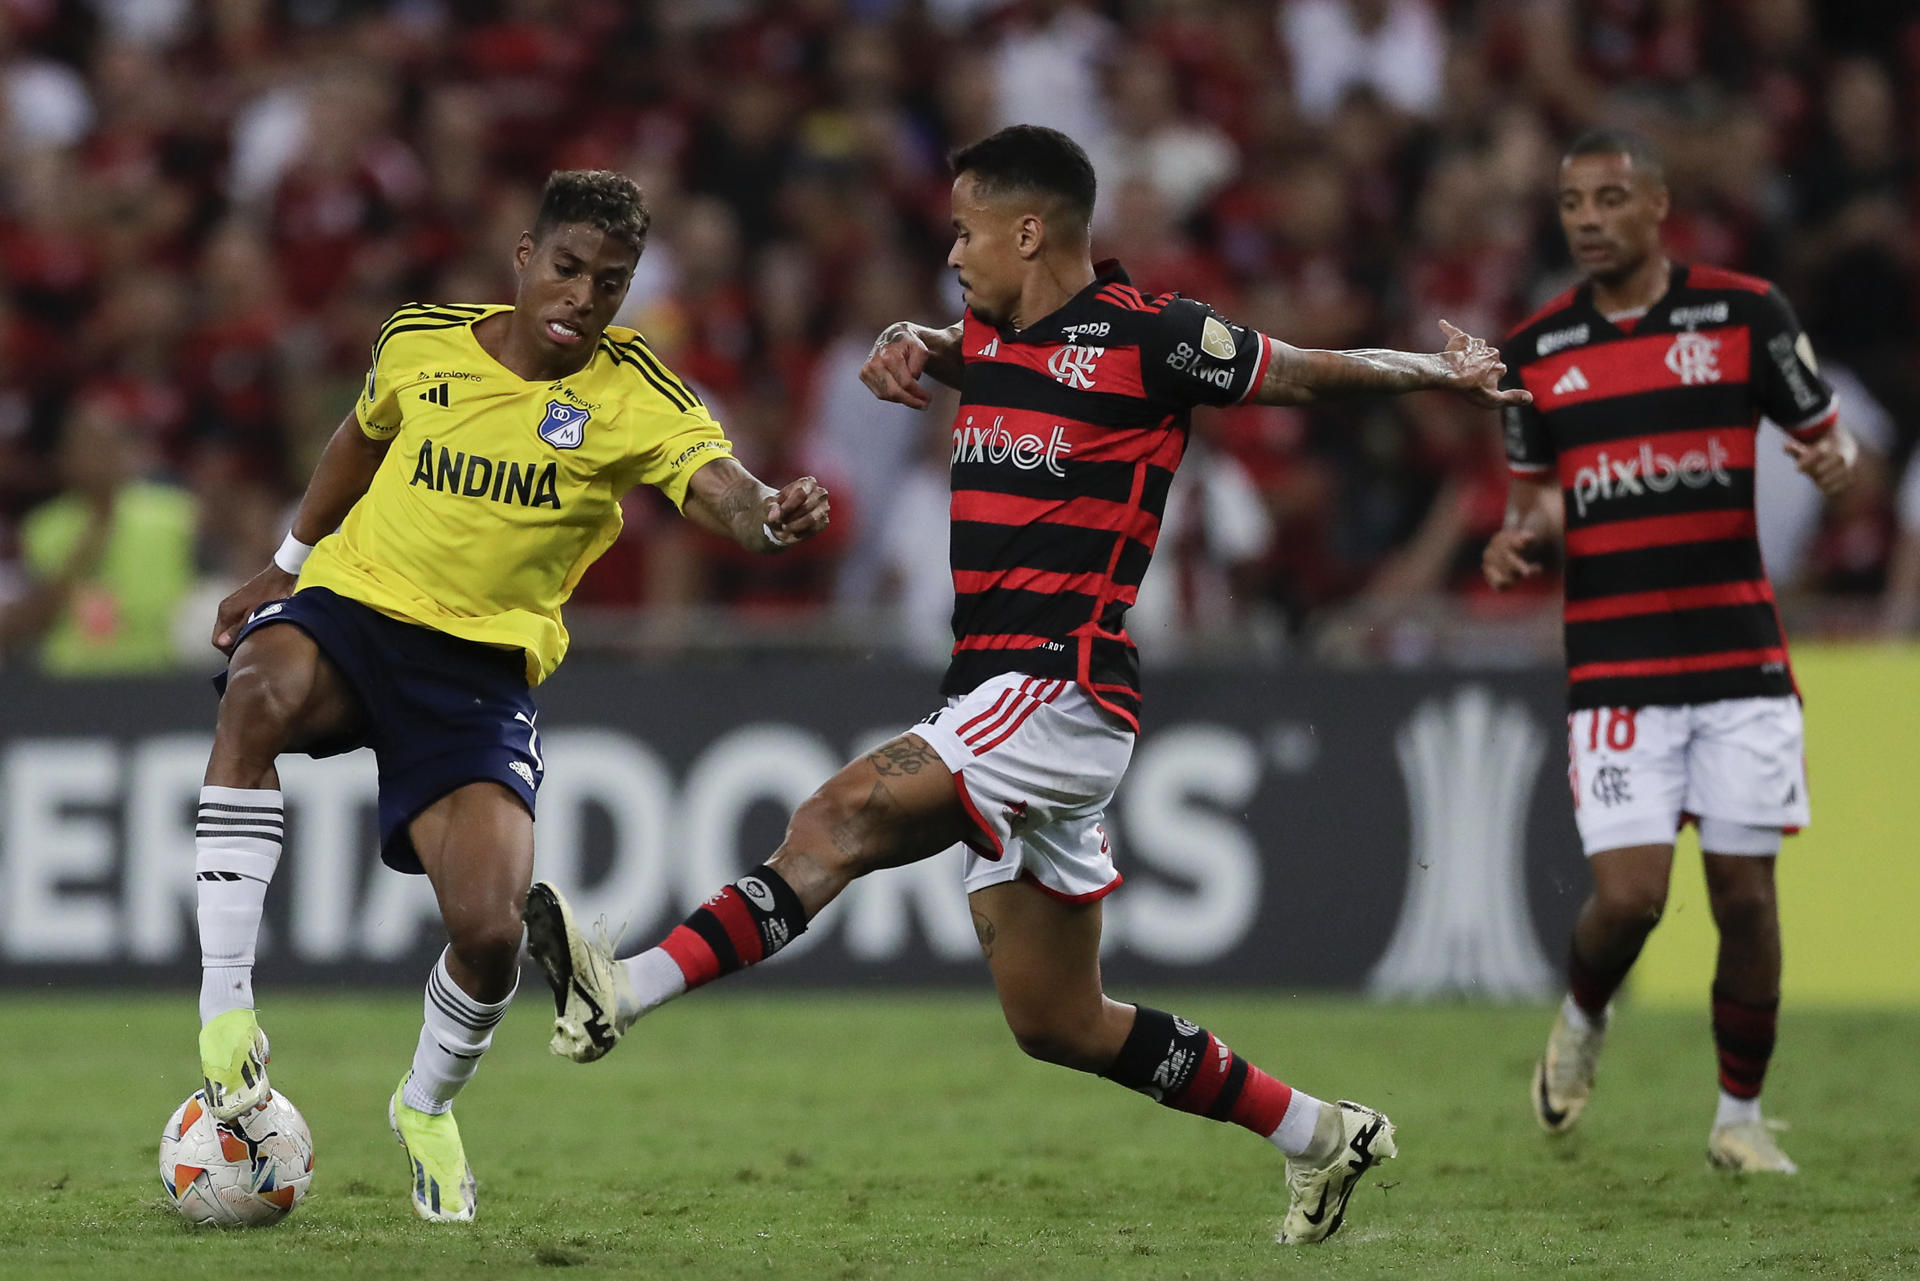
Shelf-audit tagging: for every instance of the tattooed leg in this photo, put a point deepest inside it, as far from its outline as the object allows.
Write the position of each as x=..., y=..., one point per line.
x=894, y=806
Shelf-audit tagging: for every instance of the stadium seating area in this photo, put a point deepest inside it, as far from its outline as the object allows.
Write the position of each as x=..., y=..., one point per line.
x=206, y=210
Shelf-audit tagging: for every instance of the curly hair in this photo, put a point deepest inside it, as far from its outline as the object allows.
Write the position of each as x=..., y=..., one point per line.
x=598, y=198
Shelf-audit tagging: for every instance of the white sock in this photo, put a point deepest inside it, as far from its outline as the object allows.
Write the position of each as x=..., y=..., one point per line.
x=1734, y=1111
x=1580, y=1020
x=236, y=846
x=656, y=979
x=457, y=1032
x=1297, y=1125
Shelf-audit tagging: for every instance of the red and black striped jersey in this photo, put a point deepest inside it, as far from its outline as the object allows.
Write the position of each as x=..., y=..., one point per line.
x=1065, y=443
x=1650, y=428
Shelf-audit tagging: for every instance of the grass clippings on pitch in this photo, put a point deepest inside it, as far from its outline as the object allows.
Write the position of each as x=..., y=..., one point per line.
x=741, y=1136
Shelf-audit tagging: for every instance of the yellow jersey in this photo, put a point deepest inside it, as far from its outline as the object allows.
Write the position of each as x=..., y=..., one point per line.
x=497, y=492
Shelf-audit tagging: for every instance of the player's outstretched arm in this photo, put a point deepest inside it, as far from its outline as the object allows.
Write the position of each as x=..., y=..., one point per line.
x=1468, y=365
x=724, y=498
x=903, y=352
x=345, y=469
x=1536, y=515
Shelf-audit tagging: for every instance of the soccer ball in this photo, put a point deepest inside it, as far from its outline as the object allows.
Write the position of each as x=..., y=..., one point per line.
x=244, y=1173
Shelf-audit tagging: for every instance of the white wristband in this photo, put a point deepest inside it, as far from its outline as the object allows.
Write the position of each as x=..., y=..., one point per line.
x=292, y=554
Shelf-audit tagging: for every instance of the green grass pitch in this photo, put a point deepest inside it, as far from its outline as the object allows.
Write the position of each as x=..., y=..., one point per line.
x=741, y=1135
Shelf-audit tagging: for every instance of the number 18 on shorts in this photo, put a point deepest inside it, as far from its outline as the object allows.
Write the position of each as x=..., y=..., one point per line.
x=1737, y=766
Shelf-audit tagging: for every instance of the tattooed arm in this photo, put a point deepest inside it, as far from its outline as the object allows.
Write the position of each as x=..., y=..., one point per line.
x=1468, y=365
x=903, y=352
x=724, y=498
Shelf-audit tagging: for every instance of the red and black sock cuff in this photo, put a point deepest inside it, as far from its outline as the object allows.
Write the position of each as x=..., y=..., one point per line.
x=1743, y=1037
x=1160, y=1056
x=1185, y=1067
x=743, y=924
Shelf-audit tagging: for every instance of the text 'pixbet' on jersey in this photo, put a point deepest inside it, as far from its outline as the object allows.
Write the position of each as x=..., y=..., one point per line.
x=996, y=445
x=475, y=476
x=1628, y=473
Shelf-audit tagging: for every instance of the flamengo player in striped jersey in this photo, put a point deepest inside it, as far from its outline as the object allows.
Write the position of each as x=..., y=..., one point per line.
x=1649, y=381
x=1075, y=390
x=454, y=510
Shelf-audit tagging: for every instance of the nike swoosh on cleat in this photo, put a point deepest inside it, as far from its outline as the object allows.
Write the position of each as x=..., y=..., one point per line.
x=1554, y=1117
x=1319, y=1211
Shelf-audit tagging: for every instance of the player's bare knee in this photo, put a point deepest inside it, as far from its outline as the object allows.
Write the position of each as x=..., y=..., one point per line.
x=829, y=830
x=1745, y=908
x=1047, y=1036
x=257, y=716
x=1634, y=906
x=488, y=945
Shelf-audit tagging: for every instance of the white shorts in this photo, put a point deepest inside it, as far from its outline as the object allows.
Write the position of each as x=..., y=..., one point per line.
x=1036, y=762
x=1736, y=766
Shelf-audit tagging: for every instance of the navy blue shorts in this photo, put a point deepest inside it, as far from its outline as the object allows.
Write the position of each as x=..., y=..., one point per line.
x=439, y=712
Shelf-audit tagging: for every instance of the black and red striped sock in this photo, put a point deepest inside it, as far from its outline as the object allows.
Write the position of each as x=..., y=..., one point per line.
x=743, y=924
x=1184, y=1066
x=1743, y=1034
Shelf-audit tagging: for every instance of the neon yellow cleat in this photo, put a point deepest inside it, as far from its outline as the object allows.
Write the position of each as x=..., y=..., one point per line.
x=233, y=1059
x=442, y=1179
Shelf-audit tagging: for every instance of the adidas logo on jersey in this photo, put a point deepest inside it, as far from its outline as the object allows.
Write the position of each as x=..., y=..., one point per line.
x=437, y=395
x=1571, y=381
x=991, y=350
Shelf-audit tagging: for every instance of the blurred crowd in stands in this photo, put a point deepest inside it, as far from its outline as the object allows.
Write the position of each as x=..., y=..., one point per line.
x=207, y=207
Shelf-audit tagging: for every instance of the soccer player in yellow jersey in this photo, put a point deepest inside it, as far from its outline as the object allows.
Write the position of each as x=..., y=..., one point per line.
x=448, y=519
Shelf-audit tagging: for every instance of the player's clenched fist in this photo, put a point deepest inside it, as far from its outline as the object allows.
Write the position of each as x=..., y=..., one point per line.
x=1511, y=555
x=893, y=367
x=797, y=512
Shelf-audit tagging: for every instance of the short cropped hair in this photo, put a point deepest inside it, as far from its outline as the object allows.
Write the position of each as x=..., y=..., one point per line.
x=1621, y=142
x=1031, y=159
x=597, y=198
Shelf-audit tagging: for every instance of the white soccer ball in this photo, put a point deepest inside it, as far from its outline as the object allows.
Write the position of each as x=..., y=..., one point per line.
x=244, y=1173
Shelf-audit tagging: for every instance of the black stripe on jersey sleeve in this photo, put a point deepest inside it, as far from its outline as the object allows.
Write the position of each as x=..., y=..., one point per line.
x=1687, y=687
x=621, y=356
x=426, y=311
x=1676, y=634
x=1016, y=611
x=1063, y=549
x=645, y=353
x=1650, y=569
x=1109, y=480
x=1700, y=408
x=996, y=385
x=1681, y=500
x=416, y=326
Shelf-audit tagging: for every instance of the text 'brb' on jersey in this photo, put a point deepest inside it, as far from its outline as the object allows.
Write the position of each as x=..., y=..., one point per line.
x=497, y=493
x=1065, y=443
x=1650, y=429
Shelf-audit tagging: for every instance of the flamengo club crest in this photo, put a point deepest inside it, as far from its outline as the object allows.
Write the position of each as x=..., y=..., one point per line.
x=1464, y=925
x=565, y=426
x=1695, y=357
